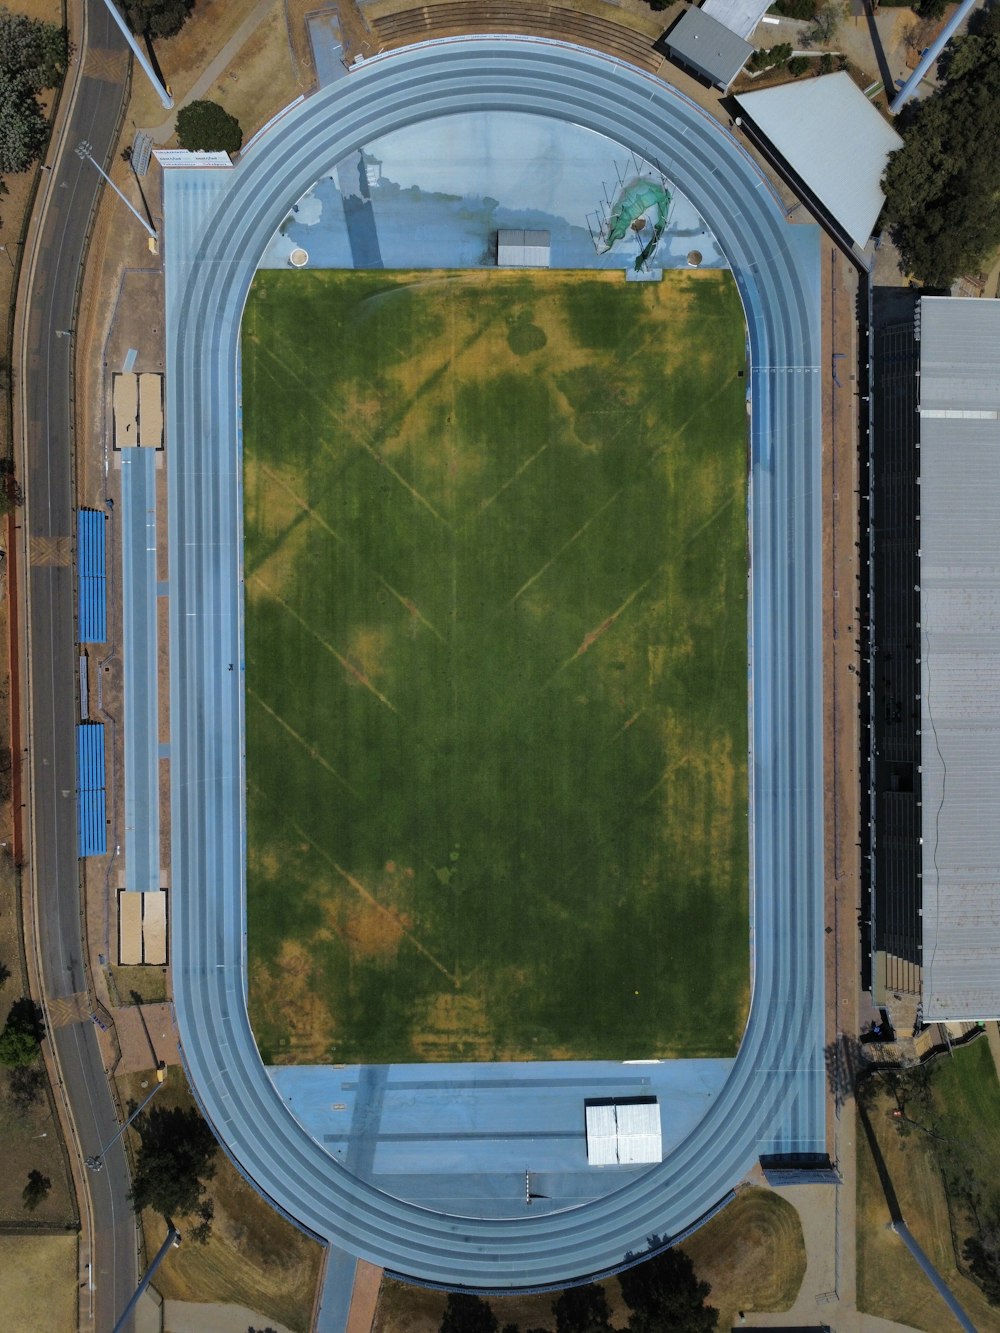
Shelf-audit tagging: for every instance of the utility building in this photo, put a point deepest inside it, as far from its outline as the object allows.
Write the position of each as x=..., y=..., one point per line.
x=522, y=249
x=706, y=46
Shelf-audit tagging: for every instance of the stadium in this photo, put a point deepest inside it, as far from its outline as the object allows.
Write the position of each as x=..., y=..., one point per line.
x=260, y=500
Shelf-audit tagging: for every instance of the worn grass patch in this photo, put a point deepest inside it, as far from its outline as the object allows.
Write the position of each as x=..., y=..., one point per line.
x=38, y=1277
x=495, y=557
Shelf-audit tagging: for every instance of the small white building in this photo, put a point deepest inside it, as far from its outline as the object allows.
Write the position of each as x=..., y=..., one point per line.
x=624, y=1133
x=523, y=249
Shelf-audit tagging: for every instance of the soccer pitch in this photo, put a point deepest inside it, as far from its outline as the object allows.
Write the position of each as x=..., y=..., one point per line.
x=496, y=665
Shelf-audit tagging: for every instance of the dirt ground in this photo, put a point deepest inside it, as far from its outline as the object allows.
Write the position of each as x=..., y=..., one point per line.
x=38, y=1283
x=253, y=1257
x=31, y=1140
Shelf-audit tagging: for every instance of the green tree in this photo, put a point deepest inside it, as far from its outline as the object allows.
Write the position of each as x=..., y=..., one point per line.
x=768, y=56
x=798, y=65
x=464, y=1313
x=4, y=973
x=21, y=1034
x=157, y=18
x=666, y=1293
x=982, y=1253
x=176, y=1158
x=23, y=128
x=33, y=50
x=206, y=125
x=582, y=1310
x=36, y=1190
x=943, y=186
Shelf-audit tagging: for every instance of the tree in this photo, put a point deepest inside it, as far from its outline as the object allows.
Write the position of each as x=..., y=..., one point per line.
x=176, y=1157
x=665, y=1292
x=468, y=1314
x=826, y=23
x=23, y=128
x=206, y=125
x=36, y=1190
x=157, y=18
x=941, y=187
x=24, y=1085
x=33, y=50
x=582, y=1310
x=798, y=66
x=771, y=55
x=4, y=974
x=982, y=1253
x=21, y=1034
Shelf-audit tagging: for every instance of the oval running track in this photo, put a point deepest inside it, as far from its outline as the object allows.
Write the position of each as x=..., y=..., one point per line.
x=217, y=226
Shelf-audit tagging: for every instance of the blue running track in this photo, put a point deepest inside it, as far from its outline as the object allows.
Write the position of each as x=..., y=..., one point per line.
x=218, y=224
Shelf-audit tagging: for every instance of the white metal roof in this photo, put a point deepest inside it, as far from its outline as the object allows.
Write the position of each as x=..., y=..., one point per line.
x=960, y=655
x=834, y=140
x=522, y=249
x=739, y=16
x=624, y=1133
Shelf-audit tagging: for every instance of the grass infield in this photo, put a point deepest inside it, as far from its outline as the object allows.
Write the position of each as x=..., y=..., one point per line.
x=496, y=678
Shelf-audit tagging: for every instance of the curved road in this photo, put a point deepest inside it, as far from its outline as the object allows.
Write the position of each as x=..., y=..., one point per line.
x=45, y=400
x=217, y=227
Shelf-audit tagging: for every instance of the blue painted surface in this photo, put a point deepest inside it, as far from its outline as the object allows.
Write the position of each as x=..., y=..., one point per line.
x=434, y=194
x=91, y=576
x=462, y=1136
x=338, y=1287
x=91, y=801
x=216, y=230
x=139, y=647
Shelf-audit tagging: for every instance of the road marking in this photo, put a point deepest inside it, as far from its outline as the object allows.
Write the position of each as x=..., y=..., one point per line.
x=53, y=551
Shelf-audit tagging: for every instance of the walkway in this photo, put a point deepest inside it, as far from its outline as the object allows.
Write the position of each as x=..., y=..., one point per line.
x=142, y=749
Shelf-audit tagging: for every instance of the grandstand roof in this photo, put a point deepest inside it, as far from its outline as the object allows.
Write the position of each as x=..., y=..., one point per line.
x=834, y=140
x=960, y=655
x=739, y=16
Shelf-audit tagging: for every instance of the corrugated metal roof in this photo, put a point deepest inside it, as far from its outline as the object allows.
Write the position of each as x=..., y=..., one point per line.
x=701, y=41
x=91, y=803
x=91, y=577
x=624, y=1133
x=522, y=249
x=960, y=657
x=739, y=16
x=834, y=140
x=602, y=1136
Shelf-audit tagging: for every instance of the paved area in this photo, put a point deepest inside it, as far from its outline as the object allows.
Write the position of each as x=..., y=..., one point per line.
x=212, y=1317
x=463, y=1138
x=218, y=224
x=139, y=614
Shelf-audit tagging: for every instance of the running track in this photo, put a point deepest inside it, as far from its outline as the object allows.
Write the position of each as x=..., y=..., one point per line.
x=218, y=224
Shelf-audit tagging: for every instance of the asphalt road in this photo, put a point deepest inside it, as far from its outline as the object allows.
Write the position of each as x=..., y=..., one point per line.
x=218, y=224
x=49, y=515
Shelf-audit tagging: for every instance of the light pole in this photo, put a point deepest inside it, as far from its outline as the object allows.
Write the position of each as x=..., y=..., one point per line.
x=173, y=1240
x=83, y=152
x=140, y=55
x=96, y=1162
x=9, y=257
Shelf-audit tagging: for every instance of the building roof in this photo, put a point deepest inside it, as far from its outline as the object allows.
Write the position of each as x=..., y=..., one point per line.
x=834, y=140
x=522, y=249
x=960, y=655
x=739, y=16
x=701, y=41
x=624, y=1133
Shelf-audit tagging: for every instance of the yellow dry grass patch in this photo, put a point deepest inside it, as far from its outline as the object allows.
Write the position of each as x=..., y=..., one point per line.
x=454, y=1026
x=38, y=1283
x=271, y=495
x=752, y=1254
x=287, y=996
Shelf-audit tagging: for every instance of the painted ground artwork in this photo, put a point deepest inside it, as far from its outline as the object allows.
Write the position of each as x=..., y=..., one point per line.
x=496, y=665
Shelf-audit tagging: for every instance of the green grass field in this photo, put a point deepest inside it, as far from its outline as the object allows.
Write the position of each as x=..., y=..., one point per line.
x=496, y=683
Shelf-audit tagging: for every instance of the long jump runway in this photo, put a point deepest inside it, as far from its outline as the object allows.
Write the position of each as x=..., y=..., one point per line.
x=217, y=226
